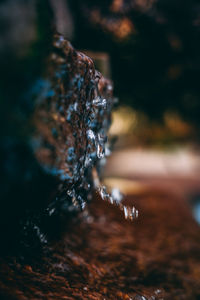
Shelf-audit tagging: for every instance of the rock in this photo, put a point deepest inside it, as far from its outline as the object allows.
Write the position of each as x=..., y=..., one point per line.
x=49, y=171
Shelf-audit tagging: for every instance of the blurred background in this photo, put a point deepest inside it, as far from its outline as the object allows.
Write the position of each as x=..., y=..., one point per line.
x=150, y=49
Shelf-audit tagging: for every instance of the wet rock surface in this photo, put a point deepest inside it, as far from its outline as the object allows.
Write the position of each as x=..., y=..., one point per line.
x=71, y=120
x=49, y=168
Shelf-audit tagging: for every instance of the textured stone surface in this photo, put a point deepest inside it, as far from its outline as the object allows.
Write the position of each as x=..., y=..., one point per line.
x=62, y=139
x=71, y=119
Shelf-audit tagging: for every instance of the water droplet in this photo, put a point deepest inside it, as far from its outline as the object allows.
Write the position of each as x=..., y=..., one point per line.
x=130, y=212
x=88, y=161
x=157, y=291
x=100, y=144
x=116, y=198
x=116, y=195
x=98, y=101
x=59, y=42
x=100, y=151
x=40, y=235
x=138, y=297
x=91, y=135
x=51, y=211
x=75, y=106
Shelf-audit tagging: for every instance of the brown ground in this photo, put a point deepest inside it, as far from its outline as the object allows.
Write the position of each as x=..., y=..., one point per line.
x=103, y=256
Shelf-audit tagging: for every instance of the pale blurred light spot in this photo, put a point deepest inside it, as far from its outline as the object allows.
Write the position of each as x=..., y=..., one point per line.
x=126, y=186
x=125, y=29
x=124, y=120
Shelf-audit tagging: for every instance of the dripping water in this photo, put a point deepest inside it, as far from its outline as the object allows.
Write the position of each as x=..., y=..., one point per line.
x=116, y=198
